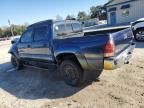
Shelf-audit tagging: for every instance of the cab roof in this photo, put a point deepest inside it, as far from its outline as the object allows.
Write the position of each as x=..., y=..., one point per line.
x=47, y=22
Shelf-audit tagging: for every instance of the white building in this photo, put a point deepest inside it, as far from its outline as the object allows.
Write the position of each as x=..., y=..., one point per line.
x=124, y=11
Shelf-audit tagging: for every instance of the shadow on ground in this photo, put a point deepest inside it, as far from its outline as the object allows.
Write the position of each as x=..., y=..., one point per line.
x=32, y=83
x=140, y=45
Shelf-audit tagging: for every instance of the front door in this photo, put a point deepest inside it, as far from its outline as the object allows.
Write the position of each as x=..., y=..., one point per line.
x=113, y=18
x=24, y=46
x=40, y=48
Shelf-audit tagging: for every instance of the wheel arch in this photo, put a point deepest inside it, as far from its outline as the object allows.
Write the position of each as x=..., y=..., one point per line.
x=140, y=28
x=71, y=56
x=14, y=54
x=136, y=31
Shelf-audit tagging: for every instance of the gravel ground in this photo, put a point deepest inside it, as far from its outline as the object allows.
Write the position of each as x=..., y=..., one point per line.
x=37, y=88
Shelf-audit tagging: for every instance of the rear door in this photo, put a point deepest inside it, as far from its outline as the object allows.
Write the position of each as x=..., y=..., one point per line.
x=41, y=49
x=24, y=46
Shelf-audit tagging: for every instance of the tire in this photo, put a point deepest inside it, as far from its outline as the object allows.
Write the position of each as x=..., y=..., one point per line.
x=139, y=35
x=93, y=75
x=16, y=63
x=72, y=73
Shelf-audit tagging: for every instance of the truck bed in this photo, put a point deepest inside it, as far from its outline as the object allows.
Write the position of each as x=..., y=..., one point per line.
x=107, y=27
x=92, y=46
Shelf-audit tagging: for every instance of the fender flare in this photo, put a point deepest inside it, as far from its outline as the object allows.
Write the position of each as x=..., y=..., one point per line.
x=74, y=51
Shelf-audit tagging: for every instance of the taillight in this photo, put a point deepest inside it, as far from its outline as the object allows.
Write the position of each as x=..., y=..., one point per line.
x=109, y=50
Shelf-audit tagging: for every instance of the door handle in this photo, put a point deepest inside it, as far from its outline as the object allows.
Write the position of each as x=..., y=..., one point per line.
x=28, y=46
x=21, y=51
x=44, y=45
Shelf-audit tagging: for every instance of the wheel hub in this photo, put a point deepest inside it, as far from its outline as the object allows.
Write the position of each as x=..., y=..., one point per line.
x=70, y=72
x=140, y=35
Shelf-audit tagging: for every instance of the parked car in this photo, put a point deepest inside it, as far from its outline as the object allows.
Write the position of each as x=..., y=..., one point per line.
x=63, y=44
x=138, y=28
x=4, y=39
x=1, y=39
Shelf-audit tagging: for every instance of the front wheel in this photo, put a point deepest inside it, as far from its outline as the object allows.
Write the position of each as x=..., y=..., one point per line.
x=16, y=63
x=72, y=73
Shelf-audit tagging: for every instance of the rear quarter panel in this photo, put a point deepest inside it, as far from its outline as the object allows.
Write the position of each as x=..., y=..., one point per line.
x=89, y=50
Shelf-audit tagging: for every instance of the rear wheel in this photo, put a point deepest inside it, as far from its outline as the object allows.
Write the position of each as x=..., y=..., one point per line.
x=139, y=35
x=72, y=73
x=16, y=63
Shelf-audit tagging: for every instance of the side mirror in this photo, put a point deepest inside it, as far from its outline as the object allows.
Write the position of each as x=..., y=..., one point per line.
x=13, y=41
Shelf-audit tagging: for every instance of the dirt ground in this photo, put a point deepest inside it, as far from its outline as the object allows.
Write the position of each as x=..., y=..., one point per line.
x=36, y=88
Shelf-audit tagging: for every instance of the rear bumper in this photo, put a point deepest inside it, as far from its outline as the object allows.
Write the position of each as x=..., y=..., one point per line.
x=116, y=62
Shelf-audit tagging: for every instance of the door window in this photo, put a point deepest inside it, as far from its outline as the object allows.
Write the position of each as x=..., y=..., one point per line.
x=41, y=34
x=27, y=36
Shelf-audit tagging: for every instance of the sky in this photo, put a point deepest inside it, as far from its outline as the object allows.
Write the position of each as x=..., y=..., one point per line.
x=31, y=11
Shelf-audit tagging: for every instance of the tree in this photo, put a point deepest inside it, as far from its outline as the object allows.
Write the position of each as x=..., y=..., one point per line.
x=70, y=17
x=98, y=12
x=95, y=11
x=6, y=32
x=1, y=32
x=103, y=15
x=82, y=16
x=58, y=17
x=17, y=29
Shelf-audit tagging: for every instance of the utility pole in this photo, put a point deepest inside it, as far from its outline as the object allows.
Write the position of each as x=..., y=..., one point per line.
x=11, y=27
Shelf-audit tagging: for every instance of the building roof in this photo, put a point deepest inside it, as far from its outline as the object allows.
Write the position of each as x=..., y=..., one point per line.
x=109, y=2
x=118, y=3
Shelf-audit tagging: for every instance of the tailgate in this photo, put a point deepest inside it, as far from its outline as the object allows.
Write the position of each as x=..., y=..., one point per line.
x=122, y=39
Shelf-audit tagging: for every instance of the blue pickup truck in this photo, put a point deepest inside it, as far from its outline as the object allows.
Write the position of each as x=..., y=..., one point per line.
x=63, y=44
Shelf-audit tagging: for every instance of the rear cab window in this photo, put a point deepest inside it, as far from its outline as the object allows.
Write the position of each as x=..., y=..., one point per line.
x=60, y=30
x=67, y=29
x=63, y=29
